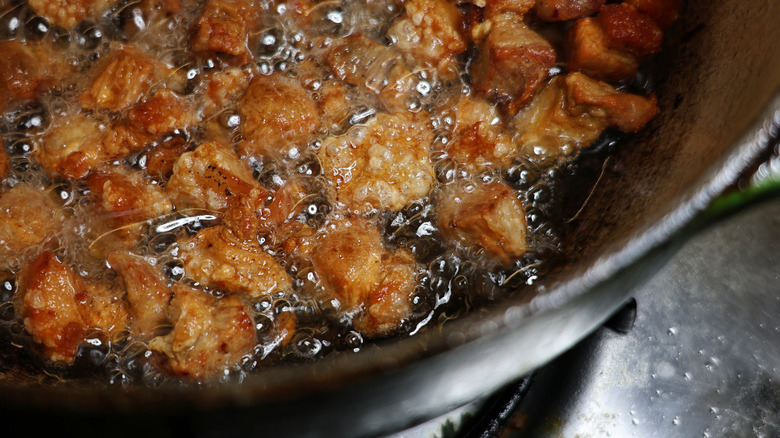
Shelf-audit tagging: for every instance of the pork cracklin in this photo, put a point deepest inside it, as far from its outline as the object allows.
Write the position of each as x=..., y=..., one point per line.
x=197, y=190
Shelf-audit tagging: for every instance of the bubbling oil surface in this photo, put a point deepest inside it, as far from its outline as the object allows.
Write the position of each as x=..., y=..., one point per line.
x=451, y=283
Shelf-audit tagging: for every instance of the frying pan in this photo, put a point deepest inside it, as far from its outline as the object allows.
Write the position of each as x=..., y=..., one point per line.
x=718, y=84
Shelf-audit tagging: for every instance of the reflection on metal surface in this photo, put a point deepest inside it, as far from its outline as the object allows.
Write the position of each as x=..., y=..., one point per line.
x=703, y=358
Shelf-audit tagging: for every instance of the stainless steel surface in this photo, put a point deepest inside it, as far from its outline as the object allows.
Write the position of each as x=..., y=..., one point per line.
x=703, y=359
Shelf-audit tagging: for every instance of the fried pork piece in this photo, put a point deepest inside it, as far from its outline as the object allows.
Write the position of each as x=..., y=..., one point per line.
x=277, y=114
x=60, y=309
x=30, y=217
x=484, y=216
x=212, y=177
x=371, y=283
x=479, y=142
x=161, y=157
x=663, y=12
x=610, y=47
x=210, y=335
x=630, y=30
x=362, y=62
x=217, y=258
x=512, y=64
x=26, y=71
x=224, y=27
x=121, y=81
x=222, y=88
x=430, y=33
x=164, y=112
x=383, y=164
x=147, y=292
x=572, y=111
x=75, y=143
x=128, y=196
x=71, y=146
x=379, y=70
x=588, y=50
x=562, y=10
x=68, y=13
x=496, y=7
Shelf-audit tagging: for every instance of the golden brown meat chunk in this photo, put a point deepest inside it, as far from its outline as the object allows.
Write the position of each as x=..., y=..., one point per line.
x=485, y=217
x=223, y=88
x=224, y=27
x=610, y=46
x=277, y=114
x=217, y=258
x=128, y=196
x=29, y=217
x=71, y=145
x=663, y=12
x=371, y=283
x=562, y=10
x=121, y=81
x=59, y=309
x=630, y=30
x=147, y=293
x=572, y=111
x=624, y=111
x=212, y=177
x=24, y=72
x=210, y=335
x=496, y=7
x=479, y=142
x=383, y=164
x=588, y=50
x=363, y=63
x=68, y=13
x=512, y=63
x=162, y=113
x=430, y=34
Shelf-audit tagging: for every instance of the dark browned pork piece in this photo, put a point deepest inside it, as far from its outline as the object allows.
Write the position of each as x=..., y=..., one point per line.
x=60, y=309
x=484, y=217
x=210, y=335
x=611, y=46
x=562, y=10
x=512, y=64
x=224, y=27
x=27, y=71
x=664, y=12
